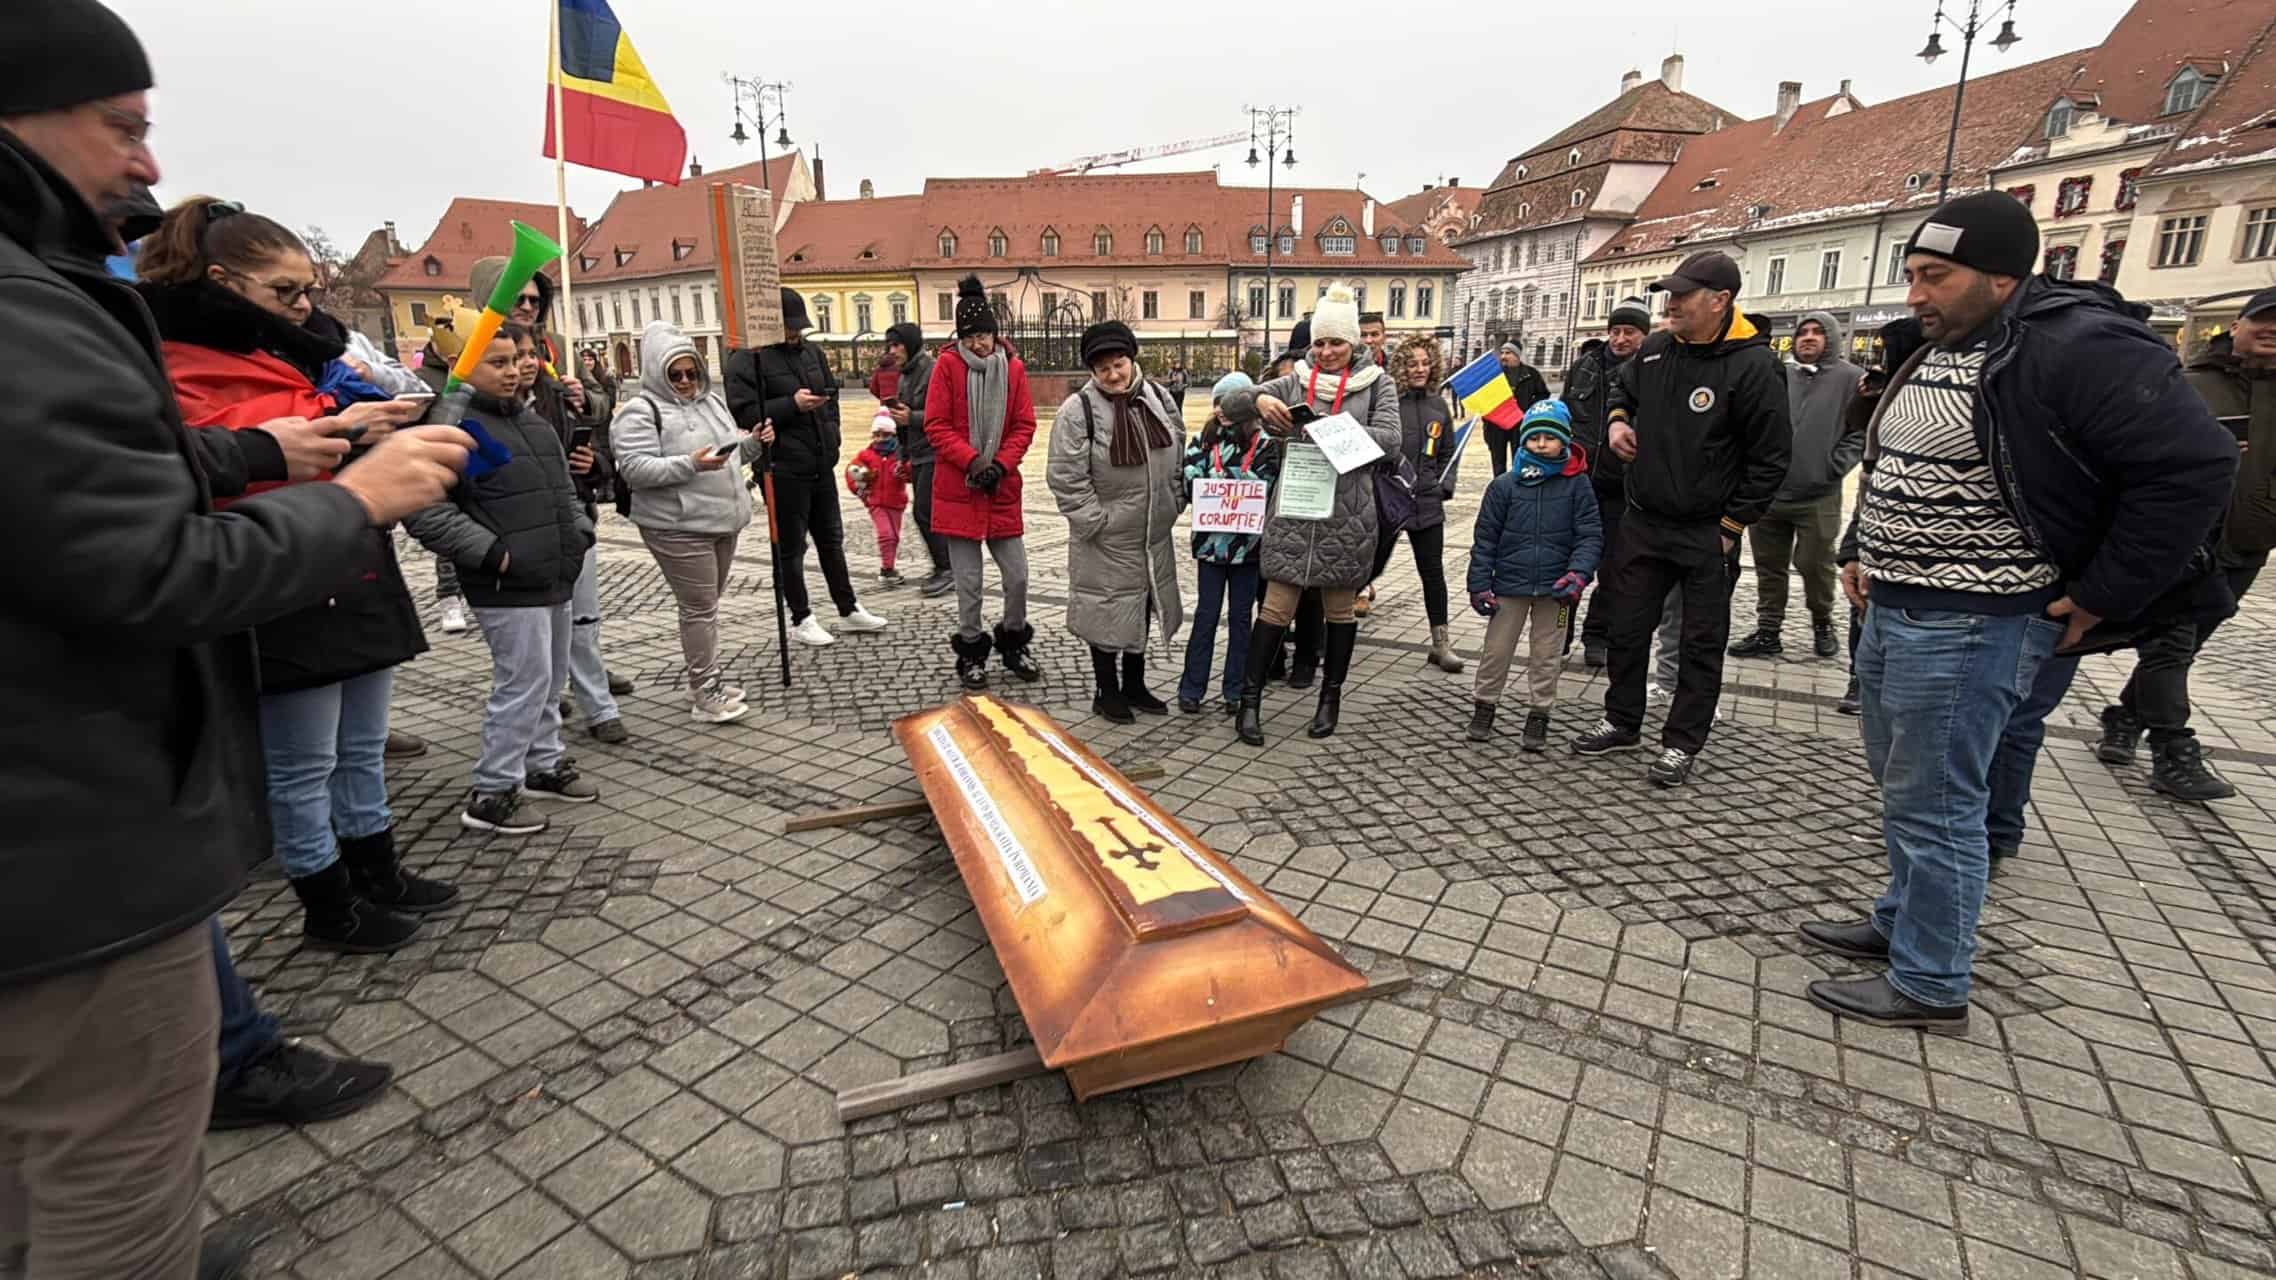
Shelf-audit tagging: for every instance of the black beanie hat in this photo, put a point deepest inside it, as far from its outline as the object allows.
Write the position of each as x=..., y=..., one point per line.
x=794, y=318
x=1106, y=338
x=1991, y=231
x=911, y=337
x=61, y=53
x=973, y=312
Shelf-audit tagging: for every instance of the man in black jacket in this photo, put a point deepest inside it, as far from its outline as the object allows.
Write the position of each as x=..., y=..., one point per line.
x=907, y=340
x=1529, y=388
x=2236, y=376
x=1700, y=418
x=2039, y=467
x=789, y=384
x=131, y=783
x=1588, y=393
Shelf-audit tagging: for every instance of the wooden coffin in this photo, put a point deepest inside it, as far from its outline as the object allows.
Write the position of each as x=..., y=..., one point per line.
x=1136, y=952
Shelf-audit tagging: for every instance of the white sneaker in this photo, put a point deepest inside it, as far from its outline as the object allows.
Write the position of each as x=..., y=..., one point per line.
x=861, y=620
x=454, y=615
x=712, y=705
x=1654, y=696
x=809, y=631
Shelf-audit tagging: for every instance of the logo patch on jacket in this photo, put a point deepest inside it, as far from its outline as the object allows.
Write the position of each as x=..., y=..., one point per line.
x=1702, y=399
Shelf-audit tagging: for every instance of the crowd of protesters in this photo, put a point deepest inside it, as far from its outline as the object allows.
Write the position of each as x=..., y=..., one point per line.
x=216, y=468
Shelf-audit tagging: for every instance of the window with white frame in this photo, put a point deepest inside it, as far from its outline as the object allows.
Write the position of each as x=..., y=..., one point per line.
x=821, y=315
x=1424, y=296
x=2259, y=234
x=1829, y=269
x=1196, y=305
x=1193, y=240
x=1285, y=304
x=1339, y=246
x=1389, y=240
x=1102, y=242
x=864, y=315
x=1050, y=243
x=2181, y=240
x=1774, y=276
x=2059, y=118
x=2061, y=262
x=998, y=243
x=1396, y=307
x=2072, y=195
x=1588, y=303
x=1150, y=305
x=1256, y=302
x=2187, y=89
x=1154, y=242
x=897, y=306
x=1414, y=246
x=1257, y=242
x=676, y=305
x=1896, y=264
x=948, y=244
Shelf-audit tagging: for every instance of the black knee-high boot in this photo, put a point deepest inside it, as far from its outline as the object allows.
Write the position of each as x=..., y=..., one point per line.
x=1336, y=663
x=1264, y=646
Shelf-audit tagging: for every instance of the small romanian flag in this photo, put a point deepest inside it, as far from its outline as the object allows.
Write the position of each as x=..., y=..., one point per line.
x=615, y=115
x=1483, y=392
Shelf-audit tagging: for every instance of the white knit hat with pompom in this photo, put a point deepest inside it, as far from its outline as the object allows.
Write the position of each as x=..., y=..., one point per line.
x=1337, y=315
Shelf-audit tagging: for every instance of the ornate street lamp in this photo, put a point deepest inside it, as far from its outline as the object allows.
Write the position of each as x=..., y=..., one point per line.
x=1934, y=49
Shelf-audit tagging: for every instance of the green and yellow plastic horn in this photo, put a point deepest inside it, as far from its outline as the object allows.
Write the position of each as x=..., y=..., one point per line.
x=532, y=250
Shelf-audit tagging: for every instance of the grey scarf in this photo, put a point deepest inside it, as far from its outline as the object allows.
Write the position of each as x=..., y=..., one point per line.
x=987, y=400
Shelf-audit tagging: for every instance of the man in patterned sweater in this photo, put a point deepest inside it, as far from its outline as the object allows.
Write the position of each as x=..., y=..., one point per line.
x=2037, y=468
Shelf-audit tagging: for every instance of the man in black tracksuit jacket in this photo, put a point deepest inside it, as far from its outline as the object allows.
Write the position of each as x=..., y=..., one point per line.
x=1700, y=416
x=790, y=384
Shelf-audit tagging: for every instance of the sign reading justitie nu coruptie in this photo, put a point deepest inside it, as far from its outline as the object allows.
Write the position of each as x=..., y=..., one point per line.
x=1135, y=951
x=750, y=277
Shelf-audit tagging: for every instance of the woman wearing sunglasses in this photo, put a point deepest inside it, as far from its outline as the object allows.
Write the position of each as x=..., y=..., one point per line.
x=232, y=292
x=678, y=450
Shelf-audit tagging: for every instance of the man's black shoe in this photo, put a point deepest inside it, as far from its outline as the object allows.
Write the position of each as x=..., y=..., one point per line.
x=1875, y=1003
x=1763, y=643
x=1605, y=738
x=1190, y=706
x=1481, y=722
x=2121, y=736
x=1536, y=737
x=225, y=1252
x=1858, y=938
x=1672, y=768
x=1853, y=702
x=940, y=584
x=294, y=1084
x=1824, y=641
x=2178, y=769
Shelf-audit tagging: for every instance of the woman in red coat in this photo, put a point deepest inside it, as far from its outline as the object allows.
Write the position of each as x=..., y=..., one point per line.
x=231, y=293
x=980, y=419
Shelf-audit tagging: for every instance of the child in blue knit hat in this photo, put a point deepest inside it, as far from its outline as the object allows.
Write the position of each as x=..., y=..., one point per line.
x=1227, y=562
x=1537, y=544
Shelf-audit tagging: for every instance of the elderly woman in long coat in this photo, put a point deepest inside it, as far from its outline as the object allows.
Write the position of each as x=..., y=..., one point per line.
x=1335, y=552
x=1116, y=468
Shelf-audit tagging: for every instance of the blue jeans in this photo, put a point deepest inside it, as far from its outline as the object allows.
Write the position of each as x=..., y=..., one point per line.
x=1218, y=581
x=529, y=661
x=246, y=1032
x=2019, y=753
x=1939, y=690
x=327, y=760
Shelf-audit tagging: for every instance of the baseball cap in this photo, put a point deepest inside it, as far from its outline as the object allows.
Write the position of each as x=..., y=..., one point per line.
x=1705, y=269
x=2259, y=303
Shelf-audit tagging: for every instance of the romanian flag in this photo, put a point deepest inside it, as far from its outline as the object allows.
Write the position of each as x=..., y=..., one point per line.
x=1483, y=392
x=615, y=115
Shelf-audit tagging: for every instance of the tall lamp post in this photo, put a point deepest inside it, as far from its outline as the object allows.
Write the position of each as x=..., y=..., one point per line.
x=758, y=93
x=1934, y=49
x=1279, y=126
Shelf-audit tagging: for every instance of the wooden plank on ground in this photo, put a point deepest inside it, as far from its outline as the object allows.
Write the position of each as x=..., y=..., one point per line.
x=867, y=1100
x=825, y=818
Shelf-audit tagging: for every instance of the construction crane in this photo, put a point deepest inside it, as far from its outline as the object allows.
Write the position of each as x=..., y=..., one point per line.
x=1111, y=159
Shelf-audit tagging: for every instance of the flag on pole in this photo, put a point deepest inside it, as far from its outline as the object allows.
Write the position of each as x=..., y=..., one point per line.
x=1483, y=392
x=616, y=117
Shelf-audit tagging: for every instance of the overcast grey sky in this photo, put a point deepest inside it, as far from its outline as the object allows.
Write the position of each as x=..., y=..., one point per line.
x=346, y=115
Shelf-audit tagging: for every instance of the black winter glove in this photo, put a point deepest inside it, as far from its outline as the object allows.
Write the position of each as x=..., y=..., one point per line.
x=984, y=478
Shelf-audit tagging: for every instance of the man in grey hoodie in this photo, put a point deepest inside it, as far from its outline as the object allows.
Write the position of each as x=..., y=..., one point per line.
x=1803, y=528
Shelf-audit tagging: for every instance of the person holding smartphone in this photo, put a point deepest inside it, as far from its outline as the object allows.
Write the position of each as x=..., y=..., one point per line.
x=232, y=292
x=679, y=449
x=591, y=475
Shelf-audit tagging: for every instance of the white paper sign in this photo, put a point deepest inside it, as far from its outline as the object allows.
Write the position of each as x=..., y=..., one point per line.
x=1346, y=443
x=1223, y=505
x=1307, y=484
x=1026, y=880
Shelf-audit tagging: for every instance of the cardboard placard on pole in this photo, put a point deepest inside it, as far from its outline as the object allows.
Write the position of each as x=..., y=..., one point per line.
x=750, y=277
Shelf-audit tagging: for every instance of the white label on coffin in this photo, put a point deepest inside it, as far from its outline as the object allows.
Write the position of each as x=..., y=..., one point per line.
x=1018, y=867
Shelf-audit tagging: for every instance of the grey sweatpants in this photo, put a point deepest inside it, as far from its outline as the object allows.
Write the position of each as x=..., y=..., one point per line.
x=529, y=661
x=1010, y=555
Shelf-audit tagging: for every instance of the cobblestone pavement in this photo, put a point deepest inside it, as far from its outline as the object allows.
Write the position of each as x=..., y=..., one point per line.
x=617, y=1057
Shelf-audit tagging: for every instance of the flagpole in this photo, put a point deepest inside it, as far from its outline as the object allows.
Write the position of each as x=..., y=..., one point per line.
x=561, y=192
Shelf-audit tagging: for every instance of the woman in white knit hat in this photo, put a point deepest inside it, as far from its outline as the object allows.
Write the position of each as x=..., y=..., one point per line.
x=1334, y=551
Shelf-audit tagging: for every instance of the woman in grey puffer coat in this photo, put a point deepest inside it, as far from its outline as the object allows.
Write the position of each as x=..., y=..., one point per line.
x=1334, y=554
x=678, y=449
x=1117, y=469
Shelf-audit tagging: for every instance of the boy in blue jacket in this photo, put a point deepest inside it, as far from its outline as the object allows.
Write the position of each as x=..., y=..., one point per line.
x=1537, y=543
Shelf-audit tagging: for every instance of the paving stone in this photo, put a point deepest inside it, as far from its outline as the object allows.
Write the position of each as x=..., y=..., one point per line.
x=1597, y=1204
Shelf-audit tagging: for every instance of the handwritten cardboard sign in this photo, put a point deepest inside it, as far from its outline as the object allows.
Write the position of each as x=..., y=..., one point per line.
x=750, y=278
x=1346, y=443
x=1223, y=505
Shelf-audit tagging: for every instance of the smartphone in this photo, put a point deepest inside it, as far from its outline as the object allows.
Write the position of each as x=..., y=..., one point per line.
x=580, y=438
x=420, y=396
x=351, y=435
x=728, y=450
x=2239, y=426
x=1302, y=414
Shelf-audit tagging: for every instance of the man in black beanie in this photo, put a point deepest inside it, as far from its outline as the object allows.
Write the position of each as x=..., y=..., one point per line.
x=1981, y=577
x=789, y=386
x=130, y=759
